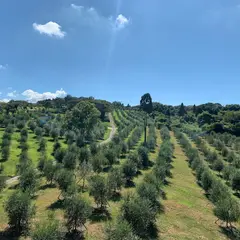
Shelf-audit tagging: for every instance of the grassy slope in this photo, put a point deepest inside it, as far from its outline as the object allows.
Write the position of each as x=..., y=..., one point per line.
x=188, y=213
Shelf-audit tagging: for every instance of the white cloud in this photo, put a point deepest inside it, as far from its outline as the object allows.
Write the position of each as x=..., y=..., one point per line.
x=77, y=7
x=34, y=97
x=51, y=29
x=3, y=67
x=90, y=16
x=13, y=94
x=121, y=21
x=5, y=100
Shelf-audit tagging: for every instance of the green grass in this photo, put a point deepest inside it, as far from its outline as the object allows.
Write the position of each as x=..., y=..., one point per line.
x=108, y=130
x=188, y=213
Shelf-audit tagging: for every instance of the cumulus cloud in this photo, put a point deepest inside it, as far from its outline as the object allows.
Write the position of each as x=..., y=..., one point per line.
x=34, y=97
x=90, y=16
x=3, y=67
x=51, y=29
x=13, y=94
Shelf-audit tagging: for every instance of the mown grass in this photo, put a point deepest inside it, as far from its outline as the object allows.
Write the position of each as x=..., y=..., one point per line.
x=34, y=154
x=188, y=213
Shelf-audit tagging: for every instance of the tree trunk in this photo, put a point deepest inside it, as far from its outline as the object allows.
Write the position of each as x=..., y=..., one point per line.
x=83, y=186
x=145, y=130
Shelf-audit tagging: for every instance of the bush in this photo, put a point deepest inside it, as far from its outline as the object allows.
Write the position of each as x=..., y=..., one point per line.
x=218, y=165
x=115, y=181
x=19, y=210
x=129, y=169
x=143, y=156
x=98, y=189
x=236, y=181
x=47, y=230
x=228, y=210
x=98, y=161
x=219, y=191
x=59, y=155
x=49, y=170
x=76, y=213
x=121, y=230
x=138, y=212
x=207, y=180
x=148, y=191
x=64, y=179
x=28, y=180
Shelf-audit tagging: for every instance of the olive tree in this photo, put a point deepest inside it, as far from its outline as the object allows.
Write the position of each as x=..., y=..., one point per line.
x=98, y=189
x=19, y=210
x=76, y=212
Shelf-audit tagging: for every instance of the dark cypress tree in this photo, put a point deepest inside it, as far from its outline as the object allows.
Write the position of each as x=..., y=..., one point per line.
x=182, y=110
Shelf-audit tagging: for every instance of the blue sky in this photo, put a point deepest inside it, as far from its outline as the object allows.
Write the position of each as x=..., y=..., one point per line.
x=179, y=51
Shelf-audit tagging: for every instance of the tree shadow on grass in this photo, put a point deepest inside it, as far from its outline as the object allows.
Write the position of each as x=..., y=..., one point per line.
x=99, y=215
x=107, y=169
x=237, y=194
x=116, y=197
x=9, y=234
x=15, y=186
x=46, y=186
x=59, y=204
x=3, y=160
x=232, y=233
x=74, y=235
x=129, y=184
x=152, y=233
x=167, y=183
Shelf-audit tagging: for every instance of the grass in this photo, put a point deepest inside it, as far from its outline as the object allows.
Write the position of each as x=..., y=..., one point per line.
x=188, y=213
x=108, y=130
x=10, y=164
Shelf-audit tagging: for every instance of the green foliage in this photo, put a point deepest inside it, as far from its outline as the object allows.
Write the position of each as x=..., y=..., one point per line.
x=99, y=190
x=182, y=110
x=38, y=131
x=59, y=155
x=49, y=170
x=143, y=156
x=84, y=170
x=236, y=181
x=83, y=117
x=98, y=161
x=207, y=180
x=228, y=210
x=19, y=210
x=218, y=165
x=139, y=213
x=115, y=180
x=150, y=192
x=64, y=179
x=2, y=182
x=146, y=103
x=29, y=180
x=77, y=210
x=129, y=169
x=47, y=230
x=205, y=118
x=121, y=230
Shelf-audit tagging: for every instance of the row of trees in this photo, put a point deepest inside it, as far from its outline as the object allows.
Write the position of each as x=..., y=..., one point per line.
x=230, y=172
x=227, y=207
x=139, y=210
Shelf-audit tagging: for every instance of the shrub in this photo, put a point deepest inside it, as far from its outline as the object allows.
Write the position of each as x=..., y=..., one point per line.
x=19, y=210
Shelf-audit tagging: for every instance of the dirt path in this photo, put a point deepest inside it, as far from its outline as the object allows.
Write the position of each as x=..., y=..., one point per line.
x=113, y=130
x=188, y=213
x=12, y=180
